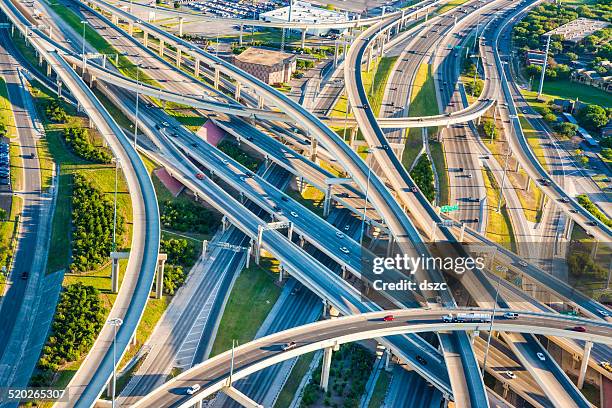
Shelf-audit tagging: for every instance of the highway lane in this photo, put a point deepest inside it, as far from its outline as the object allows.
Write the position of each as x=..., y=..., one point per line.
x=95, y=371
x=266, y=351
x=27, y=303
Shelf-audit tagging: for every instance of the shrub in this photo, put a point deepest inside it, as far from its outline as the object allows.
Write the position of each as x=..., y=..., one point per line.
x=78, y=319
x=233, y=150
x=92, y=221
x=55, y=112
x=588, y=205
x=78, y=140
x=187, y=216
x=179, y=251
x=422, y=174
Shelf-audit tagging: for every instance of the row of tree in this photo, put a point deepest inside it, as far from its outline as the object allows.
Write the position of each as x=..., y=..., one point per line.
x=422, y=174
x=181, y=257
x=92, y=221
x=78, y=320
x=588, y=205
x=80, y=143
x=235, y=152
x=186, y=216
x=55, y=112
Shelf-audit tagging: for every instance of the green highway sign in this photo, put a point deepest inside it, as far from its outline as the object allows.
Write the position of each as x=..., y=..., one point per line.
x=449, y=208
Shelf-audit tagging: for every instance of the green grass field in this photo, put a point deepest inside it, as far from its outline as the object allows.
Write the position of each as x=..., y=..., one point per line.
x=291, y=385
x=449, y=6
x=439, y=160
x=376, y=87
x=380, y=390
x=423, y=102
x=566, y=89
x=499, y=228
x=250, y=301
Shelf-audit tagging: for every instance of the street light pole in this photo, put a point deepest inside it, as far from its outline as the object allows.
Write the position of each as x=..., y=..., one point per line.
x=501, y=188
x=365, y=200
x=137, y=97
x=115, y=207
x=115, y=322
x=544, y=67
x=84, y=22
x=484, y=363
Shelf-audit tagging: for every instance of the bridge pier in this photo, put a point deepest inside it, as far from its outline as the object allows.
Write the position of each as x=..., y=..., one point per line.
x=369, y=63
x=303, y=42
x=241, y=32
x=217, y=78
x=115, y=19
x=586, y=355
x=151, y=16
x=528, y=184
x=196, y=68
x=260, y=101
x=48, y=69
x=178, y=58
x=313, y=149
x=237, y=91
x=240, y=398
x=327, y=200
x=115, y=257
x=159, y=277
x=162, y=45
x=131, y=29
x=145, y=39
x=336, y=49
x=327, y=357
x=224, y=223
x=180, y=27
x=258, y=244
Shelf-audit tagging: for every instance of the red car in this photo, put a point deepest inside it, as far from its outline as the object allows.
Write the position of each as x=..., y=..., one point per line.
x=579, y=329
x=389, y=318
x=200, y=176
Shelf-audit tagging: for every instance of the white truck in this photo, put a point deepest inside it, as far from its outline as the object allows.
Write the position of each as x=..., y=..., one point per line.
x=467, y=318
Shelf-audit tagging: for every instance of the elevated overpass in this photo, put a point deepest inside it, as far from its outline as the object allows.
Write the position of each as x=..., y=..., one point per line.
x=95, y=371
x=213, y=374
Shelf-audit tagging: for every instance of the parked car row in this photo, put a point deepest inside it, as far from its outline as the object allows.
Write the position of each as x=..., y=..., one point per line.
x=5, y=167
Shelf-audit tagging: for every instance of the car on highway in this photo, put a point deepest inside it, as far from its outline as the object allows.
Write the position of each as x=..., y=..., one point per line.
x=580, y=329
x=564, y=200
x=591, y=223
x=165, y=124
x=289, y=346
x=294, y=214
x=225, y=161
x=511, y=374
x=200, y=176
x=523, y=263
x=541, y=356
x=389, y=318
x=606, y=365
x=460, y=169
x=414, y=189
x=339, y=234
x=344, y=249
x=25, y=275
x=285, y=198
x=347, y=227
x=603, y=313
x=573, y=211
x=511, y=315
x=193, y=389
x=421, y=360
x=470, y=175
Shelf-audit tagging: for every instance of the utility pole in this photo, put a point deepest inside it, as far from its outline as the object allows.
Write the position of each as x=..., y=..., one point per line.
x=544, y=67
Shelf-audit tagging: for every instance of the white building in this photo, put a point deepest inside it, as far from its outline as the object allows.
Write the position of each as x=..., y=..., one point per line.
x=304, y=12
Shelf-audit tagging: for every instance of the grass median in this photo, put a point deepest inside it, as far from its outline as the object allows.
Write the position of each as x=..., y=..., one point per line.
x=499, y=227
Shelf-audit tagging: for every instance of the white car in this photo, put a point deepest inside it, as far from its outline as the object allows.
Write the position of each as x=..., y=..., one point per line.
x=523, y=264
x=511, y=315
x=225, y=161
x=541, y=356
x=339, y=234
x=510, y=374
x=294, y=214
x=603, y=313
x=344, y=249
x=193, y=389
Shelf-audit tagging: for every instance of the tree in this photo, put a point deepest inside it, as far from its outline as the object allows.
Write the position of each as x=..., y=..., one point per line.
x=571, y=56
x=488, y=126
x=533, y=70
x=592, y=117
x=422, y=174
x=177, y=4
x=566, y=129
x=606, y=153
x=3, y=214
x=583, y=160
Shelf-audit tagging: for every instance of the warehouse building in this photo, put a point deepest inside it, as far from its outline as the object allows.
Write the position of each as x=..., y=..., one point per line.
x=269, y=66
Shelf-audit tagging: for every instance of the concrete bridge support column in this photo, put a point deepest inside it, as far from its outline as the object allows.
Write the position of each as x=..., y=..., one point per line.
x=159, y=276
x=12, y=29
x=281, y=273
x=131, y=29
x=180, y=27
x=369, y=63
x=145, y=39
x=303, y=42
x=59, y=89
x=290, y=232
x=462, y=234
x=151, y=16
x=115, y=19
x=260, y=102
x=302, y=241
x=327, y=201
x=224, y=223
x=313, y=149
x=110, y=387
x=327, y=357
x=196, y=68
x=586, y=355
x=217, y=78
x=528, y=184
x=390, y=245
x=241, y=33
x=115, y=257
x=336, y=49
x=240, y=398
x=352, y=136
x=48, y=69
x=258, y=244
x=40, y=59
x=179, y=57
x=237, y=91
x=403, y=22
x=162, y=45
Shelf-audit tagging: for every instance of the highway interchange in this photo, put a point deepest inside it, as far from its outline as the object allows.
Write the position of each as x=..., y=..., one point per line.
x=333, y=254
